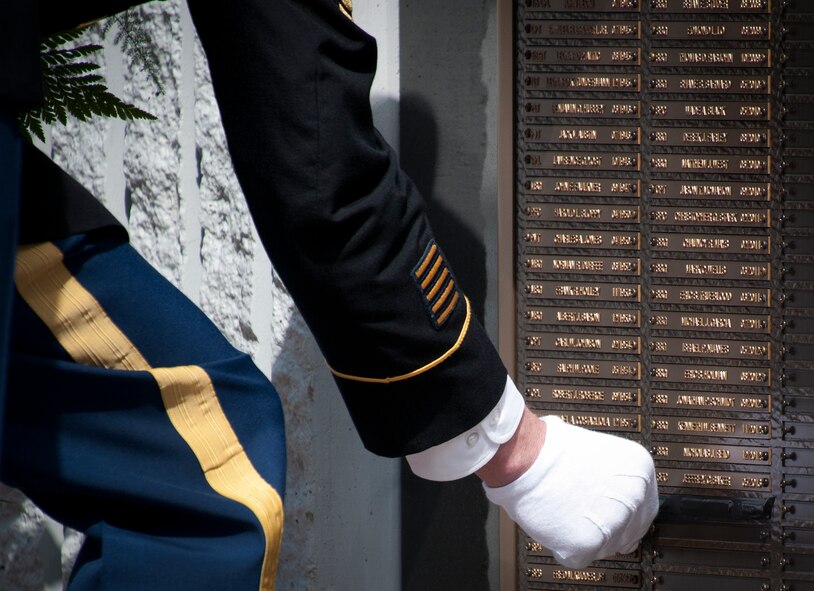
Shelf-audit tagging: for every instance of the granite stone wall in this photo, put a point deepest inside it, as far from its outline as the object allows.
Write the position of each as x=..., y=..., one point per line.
x=171, y=183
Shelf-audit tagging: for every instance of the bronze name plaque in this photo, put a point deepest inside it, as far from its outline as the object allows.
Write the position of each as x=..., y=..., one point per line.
x=711, y=31
x=711, y=216
x=718, y=243
x=678, y=581
x=582, y=29
x=710, y=427
x=582, y=265
x=594, y=187
x=584, y=108
x=583, y=81
x=710, y=164
x=711, y=374
x=708, y=453
x=797, y=483
x=718, y=348
x=799, y=563
x=710, y=137
x=711, y=110
x=711, y=6
x=706, y=84
x=603, y=577
x=797, y=457
x=686, y=478
x=585, y=368
x=568, y=160
x=536, y=549
x=717, y=191
x=717, y=296
x=559, y=238
x=584, y=317
x=713, y=401
x=801, y=509
x=801, y=537
x=701, y=321
x=583, y=56
x=584, y=343
x=581, y=213
x=601, y=292
x=604, y=421
x=664, y=149
x=579, y=394
x=710, y=557
x=707, y=57
x=711, y=533
x=584, y=5
x=711, y=269
x=798, y=431
x=582, y=134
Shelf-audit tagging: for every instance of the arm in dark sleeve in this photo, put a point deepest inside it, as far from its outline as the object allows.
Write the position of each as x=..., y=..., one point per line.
x=343, y=225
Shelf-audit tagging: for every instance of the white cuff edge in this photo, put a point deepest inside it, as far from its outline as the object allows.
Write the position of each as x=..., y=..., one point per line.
x=471, y=450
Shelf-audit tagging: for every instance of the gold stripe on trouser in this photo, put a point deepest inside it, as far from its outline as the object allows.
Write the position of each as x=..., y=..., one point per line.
x=90, y=337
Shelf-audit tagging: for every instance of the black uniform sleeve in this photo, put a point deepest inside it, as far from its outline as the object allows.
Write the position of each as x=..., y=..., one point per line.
x=54, y=205
x=23, y=23
x=343, y=225
x=20, y=75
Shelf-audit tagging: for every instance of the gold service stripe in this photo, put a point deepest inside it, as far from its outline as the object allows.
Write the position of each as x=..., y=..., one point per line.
x=443, y=298
x=429, y=278
x=445, y=314
x=426, y=262
x=87, y=333
x=437, y=287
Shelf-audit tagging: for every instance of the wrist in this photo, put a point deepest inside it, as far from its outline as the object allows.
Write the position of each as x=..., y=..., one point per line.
x=514, y=457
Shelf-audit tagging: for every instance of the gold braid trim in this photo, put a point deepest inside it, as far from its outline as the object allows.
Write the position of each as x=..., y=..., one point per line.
x=420, y=370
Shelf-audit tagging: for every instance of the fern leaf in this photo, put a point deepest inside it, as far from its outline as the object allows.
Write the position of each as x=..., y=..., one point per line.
x=73, y=69
x=73, y=88
x=64, y=37
x=31, y=123
x=64, y=56
x=135, y=44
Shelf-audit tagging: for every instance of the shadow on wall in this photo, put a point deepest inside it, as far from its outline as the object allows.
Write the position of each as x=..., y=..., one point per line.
x=443, y=537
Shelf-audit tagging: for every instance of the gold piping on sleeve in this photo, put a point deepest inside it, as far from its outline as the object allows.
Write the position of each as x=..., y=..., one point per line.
x=420, y=370
x=83, y=328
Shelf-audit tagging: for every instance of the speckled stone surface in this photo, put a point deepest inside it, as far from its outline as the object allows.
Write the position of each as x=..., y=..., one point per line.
x=172, y=183
x=21, y=527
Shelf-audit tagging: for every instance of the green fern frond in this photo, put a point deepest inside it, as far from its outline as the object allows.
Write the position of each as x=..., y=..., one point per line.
x=63, y=38
x=135, y=43
x=72, y=88
x=55, y=57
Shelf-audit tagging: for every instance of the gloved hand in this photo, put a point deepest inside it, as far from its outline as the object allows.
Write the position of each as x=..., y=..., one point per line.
x=587, y=496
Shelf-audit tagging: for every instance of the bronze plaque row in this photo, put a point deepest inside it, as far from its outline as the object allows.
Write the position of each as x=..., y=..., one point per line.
x=664, y=261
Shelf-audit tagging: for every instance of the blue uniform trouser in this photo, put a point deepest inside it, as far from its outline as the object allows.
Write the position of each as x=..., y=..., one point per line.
x=130, y=418
x=10, y=154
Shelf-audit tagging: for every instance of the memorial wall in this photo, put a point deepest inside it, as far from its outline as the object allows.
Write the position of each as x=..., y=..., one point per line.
x=664, y=260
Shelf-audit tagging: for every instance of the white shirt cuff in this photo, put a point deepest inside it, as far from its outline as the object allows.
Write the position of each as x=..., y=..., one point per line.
x=469, y=451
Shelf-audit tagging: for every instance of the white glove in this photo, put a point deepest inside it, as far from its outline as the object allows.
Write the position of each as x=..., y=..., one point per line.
x=587, y=496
